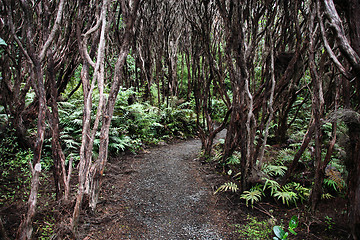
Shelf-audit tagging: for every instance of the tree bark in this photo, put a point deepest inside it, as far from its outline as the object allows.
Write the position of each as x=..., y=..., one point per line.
x=97, y=170
x=36, y=57
x=317, y=110
x=88, y=132
x=352, y=163
x=25, y=228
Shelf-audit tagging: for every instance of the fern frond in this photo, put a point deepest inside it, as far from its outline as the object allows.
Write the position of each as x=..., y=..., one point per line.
x=233, y=160
x=326, y=196
x=334, y=178
x=252, y=195
x=272, y=185
x=286, y=196
x=229, y=186
x=331, y=183
x=273, y=170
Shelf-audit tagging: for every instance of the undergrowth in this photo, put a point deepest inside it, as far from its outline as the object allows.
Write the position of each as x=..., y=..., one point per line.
x=134, y=124
x=253, y=229
x=293, y=193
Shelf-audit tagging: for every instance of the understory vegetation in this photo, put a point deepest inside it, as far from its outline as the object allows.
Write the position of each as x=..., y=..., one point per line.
x=82, y=82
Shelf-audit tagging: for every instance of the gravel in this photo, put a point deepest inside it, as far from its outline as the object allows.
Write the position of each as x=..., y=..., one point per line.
x=168, y=197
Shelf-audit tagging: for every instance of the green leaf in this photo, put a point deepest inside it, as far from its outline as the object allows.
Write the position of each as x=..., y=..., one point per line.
x=253, y=195
x=229, y=186
x=294, y=221
x=2, y=42
x=292, y=231
x=279, y=232
x=272, y=184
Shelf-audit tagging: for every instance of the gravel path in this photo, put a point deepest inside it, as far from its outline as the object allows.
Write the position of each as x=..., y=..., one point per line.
x=169, y=197
x=162, y=194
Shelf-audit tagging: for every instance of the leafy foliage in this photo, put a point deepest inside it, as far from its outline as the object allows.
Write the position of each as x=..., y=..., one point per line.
x=254, y=229
x=133, y=125
x=326, y=196
x=291, y=193
x=334, y=179
x=234, y=159
x=273, y=170
x=286, y=195
x=281, y=234
x=229, y=186
x=253, y=195
x=272, y=185
x=14, y=168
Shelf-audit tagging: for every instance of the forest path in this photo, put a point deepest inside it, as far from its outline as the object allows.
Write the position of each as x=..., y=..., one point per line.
x=162, y=194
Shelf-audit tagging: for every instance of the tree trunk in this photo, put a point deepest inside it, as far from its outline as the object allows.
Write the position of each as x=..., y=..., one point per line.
x=352, y=120
x=305, y=142
x=317, y=109
x=353, y=166
x=98, y=168
x=88, y=133
x=25, y=228
x=60, y=177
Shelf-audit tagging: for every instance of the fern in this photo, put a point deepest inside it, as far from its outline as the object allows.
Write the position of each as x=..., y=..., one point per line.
x=272, y=185
x=273, y=170
x=334, y=179
x=234, y=159
x=326, y=196
x=253, y=195
x=302, y=192
x=332, y=184
x=285, y=155
x=229, y=186
x=286, y=195
x=117, y=144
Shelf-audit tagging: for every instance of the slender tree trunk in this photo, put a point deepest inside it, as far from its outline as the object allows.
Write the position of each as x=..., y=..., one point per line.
x=305, y=142
x=97, y=170
x=35, y=58
x=317, y=105
x=88, y=133
x=60, y=176
x=25, y=228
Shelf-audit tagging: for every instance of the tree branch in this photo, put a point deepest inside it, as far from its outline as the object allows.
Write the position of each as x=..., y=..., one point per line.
x=344, y=45
x=328, y=48
x=53, y=30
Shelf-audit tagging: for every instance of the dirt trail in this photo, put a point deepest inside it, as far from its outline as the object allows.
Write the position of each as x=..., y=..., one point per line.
x=162, y=194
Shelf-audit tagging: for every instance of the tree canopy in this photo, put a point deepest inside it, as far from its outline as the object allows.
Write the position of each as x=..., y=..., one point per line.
x=78, y=77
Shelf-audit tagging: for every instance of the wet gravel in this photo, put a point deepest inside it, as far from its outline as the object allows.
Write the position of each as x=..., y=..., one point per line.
x=169, y=198
x=162, y=193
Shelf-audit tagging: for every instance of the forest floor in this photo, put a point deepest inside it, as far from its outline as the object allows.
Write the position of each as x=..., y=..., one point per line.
x=163, y=193
x=167, y=193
